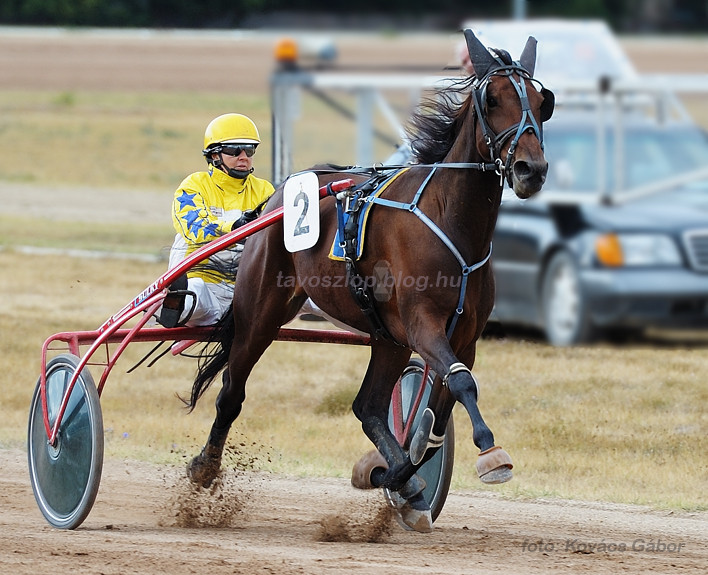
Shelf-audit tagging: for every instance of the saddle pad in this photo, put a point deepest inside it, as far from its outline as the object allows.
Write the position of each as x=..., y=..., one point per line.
x=336, y=253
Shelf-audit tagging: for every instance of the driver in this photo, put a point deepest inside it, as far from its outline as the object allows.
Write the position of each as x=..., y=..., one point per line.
x=207, y=205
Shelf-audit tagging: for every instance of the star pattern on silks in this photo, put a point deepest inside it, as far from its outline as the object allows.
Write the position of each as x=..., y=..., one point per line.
x=194, y=222
x=186, y=200
x=195, y=227
x=211, y=229
x=191, y=216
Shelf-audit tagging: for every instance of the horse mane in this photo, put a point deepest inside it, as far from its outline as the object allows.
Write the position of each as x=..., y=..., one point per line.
x=437, y=121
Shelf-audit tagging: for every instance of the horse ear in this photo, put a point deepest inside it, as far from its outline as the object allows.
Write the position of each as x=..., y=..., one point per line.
x=528, y=56
x=481, y=59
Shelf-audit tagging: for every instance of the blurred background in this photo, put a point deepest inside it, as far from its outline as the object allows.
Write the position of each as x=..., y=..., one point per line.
x=106, y=101
x=622, y=15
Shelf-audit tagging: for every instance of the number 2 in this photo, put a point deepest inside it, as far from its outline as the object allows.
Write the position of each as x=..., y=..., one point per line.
x=299, y=228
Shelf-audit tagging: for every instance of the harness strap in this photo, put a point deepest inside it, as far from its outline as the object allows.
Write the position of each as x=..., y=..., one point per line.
x=466, y=270
x=358, y=287
x=362, y=296
x=375, y=170
x=495, y=142
x=340, y=214
x=481, y=166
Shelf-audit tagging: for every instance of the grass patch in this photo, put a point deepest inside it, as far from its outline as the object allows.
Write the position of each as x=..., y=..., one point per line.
x=114, y=139
x=99, y=236
x=598, y=423
x=338, y=401
x=624, y=425
x=149, y=140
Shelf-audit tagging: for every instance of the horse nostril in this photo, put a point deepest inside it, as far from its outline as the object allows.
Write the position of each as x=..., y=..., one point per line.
x=525, y=170
x=522, y=170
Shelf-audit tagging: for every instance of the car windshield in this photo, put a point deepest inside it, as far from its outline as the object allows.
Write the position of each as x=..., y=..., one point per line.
x=650, y=154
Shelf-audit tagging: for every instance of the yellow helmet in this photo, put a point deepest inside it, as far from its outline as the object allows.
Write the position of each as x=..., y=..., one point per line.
x=231, y=128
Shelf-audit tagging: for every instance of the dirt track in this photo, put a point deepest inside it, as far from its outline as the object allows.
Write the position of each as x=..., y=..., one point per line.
x=144, y=519
x=144, y=522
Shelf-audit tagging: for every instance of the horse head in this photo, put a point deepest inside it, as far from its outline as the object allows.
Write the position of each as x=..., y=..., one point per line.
x=510, y=107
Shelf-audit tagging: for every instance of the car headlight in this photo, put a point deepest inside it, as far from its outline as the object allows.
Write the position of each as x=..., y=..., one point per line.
x=617, y=250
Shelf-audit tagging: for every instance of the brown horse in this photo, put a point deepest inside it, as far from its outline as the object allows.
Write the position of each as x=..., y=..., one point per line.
x=431, y=231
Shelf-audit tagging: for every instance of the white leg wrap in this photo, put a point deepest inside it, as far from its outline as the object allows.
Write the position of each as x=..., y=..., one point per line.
x=458, y=367
x=455, y=368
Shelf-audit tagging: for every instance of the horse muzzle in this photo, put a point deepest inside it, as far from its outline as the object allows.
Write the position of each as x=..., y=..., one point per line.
x=528, y=176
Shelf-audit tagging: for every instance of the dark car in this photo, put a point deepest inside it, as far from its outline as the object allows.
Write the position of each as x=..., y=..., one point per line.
x=617, y=241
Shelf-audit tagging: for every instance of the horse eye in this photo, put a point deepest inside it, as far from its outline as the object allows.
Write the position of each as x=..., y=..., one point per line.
x=491, y=102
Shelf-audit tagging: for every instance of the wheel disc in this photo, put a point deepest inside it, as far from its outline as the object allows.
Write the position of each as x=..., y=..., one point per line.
x=65, y=476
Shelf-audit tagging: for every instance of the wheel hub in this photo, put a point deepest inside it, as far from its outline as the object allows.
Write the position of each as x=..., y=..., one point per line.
x=54, y=450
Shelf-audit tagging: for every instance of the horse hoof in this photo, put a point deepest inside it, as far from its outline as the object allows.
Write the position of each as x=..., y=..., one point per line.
x=202, y=471
x=414, y=519
x=361, y=473
x=494, y=466
x=424, y=437
x=414, y=515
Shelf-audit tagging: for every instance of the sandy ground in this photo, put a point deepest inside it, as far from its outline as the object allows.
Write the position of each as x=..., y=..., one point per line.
x=148, y=520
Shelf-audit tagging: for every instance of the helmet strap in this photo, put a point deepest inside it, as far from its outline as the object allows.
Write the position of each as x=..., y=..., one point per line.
x=218, y=162
x=239, y=174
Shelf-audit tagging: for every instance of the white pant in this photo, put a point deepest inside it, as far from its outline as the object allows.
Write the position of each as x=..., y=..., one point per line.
x=212, y=301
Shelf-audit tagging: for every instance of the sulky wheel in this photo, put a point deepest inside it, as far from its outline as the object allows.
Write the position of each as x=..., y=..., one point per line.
x=437, y=471
x=65, y=476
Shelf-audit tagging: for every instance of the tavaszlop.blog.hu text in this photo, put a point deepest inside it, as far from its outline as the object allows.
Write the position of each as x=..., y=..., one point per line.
x=419, y=283
x=639, y=545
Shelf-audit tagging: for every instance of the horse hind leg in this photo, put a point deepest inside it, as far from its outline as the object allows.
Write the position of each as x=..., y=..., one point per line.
x=245, y=351
x=204, y=468
x=388, y=466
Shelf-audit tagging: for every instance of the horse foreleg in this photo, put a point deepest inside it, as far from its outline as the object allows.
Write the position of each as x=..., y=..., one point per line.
x=458, y=384
x=405, y=488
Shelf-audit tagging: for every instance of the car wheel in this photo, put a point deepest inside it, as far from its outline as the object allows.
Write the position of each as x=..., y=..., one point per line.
x=565, y=313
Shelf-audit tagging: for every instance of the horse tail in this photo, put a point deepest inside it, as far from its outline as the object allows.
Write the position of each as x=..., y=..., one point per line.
x=213, y=357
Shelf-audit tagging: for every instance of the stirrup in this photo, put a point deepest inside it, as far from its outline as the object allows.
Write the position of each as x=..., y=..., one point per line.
x=173, y=304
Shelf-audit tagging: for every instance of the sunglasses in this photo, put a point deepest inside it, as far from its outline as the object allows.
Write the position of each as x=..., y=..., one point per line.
x=236, y=149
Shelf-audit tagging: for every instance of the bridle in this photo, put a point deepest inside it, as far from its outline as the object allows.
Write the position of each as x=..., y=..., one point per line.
x=495, y=142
